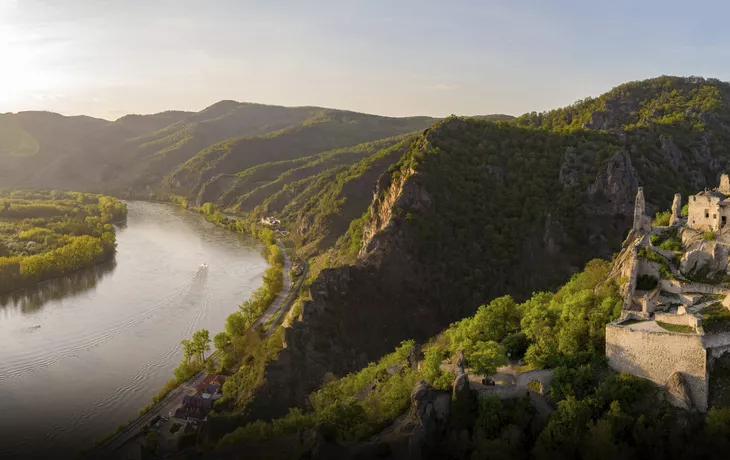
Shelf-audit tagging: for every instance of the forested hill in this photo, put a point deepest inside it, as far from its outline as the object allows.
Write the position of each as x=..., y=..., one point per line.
x=476, y=209
x=133, y=154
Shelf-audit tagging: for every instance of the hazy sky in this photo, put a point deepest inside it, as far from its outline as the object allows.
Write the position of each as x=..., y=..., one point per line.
x=392, y=57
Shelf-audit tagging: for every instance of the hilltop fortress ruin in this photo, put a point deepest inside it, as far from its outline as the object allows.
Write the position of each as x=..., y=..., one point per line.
x=675, y=281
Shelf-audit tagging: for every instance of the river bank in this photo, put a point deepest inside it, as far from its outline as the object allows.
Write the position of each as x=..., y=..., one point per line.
x=110, y=340
x=45, y=235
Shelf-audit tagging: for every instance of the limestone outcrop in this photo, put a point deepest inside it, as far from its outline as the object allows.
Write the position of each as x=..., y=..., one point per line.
x=431, y=410
x=706, y=258
x=617, y=183
x=672, y=154
x=678, y=392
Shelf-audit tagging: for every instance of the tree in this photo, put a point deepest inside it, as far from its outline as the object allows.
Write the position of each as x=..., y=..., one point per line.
x=188, y=350
x=201, y=343
x=236, y=324
x=499, y=318
x=486, y=357
x=221, y=340
x=515, y=345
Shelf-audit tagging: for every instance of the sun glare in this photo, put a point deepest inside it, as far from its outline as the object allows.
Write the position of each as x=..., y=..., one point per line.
x=25, y=71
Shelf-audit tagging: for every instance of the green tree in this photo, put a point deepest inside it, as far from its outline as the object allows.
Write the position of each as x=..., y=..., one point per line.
x=188, y=350
x=201, y=343
x=236, y=324
x=485, y=357
x=221, y=340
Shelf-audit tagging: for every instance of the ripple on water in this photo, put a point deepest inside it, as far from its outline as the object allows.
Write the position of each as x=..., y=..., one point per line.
x=106, y=345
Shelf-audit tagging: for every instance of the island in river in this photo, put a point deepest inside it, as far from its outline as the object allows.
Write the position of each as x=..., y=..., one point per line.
x=47, y=234
x=109, y=336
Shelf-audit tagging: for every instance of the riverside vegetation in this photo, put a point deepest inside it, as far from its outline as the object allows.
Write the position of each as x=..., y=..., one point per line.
x=45, y=235
x=239, y=336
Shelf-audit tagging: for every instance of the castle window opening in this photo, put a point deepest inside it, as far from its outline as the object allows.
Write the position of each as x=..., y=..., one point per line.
x=724, y=220
x=707, y=214
x=714, y=216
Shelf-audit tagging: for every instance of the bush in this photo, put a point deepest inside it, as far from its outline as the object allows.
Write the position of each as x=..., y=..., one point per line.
x=685, y=210
x=671, y=245
x=708, y=236
x=662, y=219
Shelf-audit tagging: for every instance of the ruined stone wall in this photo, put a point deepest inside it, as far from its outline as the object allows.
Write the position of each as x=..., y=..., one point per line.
x=657, y=355
x=724, y=211
x=649, y=267
x=678, y=287
x=701, y=206
x=680, y=320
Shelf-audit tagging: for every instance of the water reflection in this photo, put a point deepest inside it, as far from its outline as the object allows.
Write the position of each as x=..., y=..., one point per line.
x=32, y=299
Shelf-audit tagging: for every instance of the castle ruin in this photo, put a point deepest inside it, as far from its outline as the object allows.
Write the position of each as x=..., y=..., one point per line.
x=675, y=280
x=709, y=210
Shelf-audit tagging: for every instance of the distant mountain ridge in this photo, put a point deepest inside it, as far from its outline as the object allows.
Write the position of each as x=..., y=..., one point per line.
x=134, y=153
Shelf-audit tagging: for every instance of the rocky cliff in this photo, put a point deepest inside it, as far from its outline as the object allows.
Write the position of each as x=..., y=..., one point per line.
x=477, y=209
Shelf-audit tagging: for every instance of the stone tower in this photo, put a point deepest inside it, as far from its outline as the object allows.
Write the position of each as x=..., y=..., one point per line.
x=639, y=210
x=724, y=184
x=676, y=209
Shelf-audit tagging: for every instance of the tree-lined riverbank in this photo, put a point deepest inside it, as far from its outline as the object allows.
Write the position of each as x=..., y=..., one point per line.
x=45, y=235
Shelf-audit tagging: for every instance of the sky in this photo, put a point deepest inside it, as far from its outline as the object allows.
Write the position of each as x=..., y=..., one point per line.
x=107, y=58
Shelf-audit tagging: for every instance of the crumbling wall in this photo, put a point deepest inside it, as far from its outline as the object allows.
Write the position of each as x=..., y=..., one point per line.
x=649, y=268
x=703, y=212
x=680, y=320
x=657, y=355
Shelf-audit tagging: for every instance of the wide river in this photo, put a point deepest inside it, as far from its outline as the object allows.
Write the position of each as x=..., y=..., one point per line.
x=82, y=354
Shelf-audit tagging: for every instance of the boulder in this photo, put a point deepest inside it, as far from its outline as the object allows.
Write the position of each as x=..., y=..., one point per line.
x=708, y=257
x=678, y=393
x=431, y=410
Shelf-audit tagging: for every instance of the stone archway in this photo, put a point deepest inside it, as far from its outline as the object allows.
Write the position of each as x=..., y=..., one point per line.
x=541, y=378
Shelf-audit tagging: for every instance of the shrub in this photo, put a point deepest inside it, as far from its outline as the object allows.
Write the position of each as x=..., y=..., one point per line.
x=685, y=210
x=708, y=236
x=662, y=219
x=671, y=245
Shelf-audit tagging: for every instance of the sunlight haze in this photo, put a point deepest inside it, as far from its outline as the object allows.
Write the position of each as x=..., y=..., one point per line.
x=107, y=59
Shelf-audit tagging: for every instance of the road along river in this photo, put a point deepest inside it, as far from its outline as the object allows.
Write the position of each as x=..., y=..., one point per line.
x=82, y=354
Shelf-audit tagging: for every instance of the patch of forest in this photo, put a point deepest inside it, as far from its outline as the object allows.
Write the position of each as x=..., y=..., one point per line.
x=48, y=234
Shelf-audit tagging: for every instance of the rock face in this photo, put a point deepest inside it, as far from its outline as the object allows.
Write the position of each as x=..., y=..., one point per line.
x=431, y=410
x=706, y=257
x=617, y=183
x=678, y=392
x=672, y=154
x=571, y=169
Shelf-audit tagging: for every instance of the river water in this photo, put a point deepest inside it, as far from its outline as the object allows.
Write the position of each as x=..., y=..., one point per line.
x=82, y=354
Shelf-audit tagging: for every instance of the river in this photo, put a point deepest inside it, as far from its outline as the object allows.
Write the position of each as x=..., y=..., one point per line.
x=84, y=353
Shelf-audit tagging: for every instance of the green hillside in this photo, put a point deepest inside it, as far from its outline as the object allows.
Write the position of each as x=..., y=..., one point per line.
x=477, y=209
x=325, y=131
